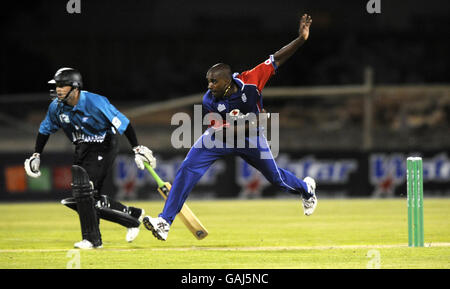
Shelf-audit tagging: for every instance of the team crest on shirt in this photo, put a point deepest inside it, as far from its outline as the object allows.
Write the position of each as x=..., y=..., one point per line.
x=116, y=122
x=221, y=107
x=64, y=118
x=244, y=97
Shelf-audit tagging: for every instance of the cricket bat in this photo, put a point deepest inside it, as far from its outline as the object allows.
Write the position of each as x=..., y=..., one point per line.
x=186, y=215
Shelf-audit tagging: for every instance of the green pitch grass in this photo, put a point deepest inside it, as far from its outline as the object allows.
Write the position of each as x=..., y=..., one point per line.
x=262, y=234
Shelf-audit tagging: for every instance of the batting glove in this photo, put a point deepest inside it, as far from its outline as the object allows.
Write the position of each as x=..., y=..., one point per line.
x=143, y=154
x=32, y=166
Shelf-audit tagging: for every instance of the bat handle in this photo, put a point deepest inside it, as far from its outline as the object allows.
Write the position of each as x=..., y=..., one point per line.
x=154, y=175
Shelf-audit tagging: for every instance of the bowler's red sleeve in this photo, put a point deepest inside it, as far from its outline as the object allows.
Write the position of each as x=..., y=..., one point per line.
x=260, y=74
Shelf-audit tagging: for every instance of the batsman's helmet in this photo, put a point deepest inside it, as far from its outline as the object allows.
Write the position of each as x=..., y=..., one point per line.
x=67, y=76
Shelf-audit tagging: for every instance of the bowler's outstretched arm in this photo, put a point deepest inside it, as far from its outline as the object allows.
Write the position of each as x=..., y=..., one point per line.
x=287, y=51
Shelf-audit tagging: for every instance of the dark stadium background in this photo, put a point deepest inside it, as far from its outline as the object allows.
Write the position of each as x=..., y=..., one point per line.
x=141, y=52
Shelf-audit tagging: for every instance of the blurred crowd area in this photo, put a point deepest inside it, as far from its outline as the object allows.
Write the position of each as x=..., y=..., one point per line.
x=393, y=111
x=399, y=118
x=413, y=111
x=402, y=118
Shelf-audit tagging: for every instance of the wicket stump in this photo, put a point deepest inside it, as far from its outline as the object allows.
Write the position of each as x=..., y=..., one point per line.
x=414, y=184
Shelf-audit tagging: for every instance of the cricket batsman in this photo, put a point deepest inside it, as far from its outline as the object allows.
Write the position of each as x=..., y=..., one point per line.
x=92, y=124
x=238, y=94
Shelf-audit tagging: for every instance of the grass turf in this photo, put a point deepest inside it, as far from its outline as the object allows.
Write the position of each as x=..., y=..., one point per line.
x=253, y=234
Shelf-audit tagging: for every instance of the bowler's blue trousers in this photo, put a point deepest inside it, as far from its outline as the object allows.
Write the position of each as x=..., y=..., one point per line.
x=200, y=158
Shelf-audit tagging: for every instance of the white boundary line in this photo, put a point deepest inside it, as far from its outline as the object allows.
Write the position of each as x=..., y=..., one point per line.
x=270, y=248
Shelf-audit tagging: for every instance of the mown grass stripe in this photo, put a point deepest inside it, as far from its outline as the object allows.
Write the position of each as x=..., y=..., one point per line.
x=270, y=248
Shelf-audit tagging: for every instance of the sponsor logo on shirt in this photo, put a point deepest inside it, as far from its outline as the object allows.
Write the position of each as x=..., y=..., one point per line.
x=221, y=107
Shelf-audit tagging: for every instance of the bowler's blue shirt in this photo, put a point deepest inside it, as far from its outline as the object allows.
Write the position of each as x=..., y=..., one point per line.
x=90, y=120
x=247, y=99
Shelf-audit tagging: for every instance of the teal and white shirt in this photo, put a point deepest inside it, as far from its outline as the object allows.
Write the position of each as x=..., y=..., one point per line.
x=90, y=120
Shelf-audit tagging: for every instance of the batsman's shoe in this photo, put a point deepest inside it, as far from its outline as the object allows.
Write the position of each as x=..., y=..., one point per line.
x=158, y=226
x=85, y=244
x=132, y=233
x=310, y=204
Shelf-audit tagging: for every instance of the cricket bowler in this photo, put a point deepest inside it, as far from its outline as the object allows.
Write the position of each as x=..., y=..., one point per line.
x=239, y=94
x=92, y=124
